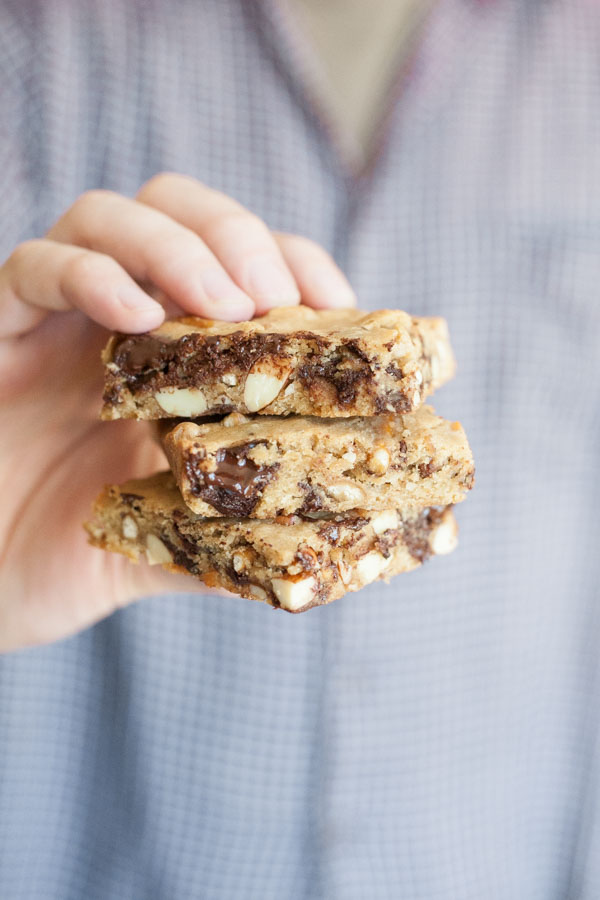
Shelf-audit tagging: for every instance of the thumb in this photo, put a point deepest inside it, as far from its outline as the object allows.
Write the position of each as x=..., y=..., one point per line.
x=150, y=581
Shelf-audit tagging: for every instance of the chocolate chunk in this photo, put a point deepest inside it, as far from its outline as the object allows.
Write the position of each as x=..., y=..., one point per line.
x=353, y=521
x=416, y=533
x=399, y=402
x=330, y=528
x=395, y=371
x=345, y=370
x=235, y=487
x=385, y=543
x=189, y=546
x=469, y=480
x=330, y=531
x=130, y=499
x=356, y=350
x=141, y=353
x=149, y=363
x=312, y=501
x=345, y=381
x=180, y=557
x=112, y=394
x=237, y=577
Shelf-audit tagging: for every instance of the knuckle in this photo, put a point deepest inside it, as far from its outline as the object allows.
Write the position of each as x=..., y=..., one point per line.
x=83, y=267
x=171, y=256
x=243, y=218
x=157, y=185
x=87, y=205
x=92, y=198
x=306, y=245
x=239, y=226
x=175, y=245
x=254, y=222
x=21, y=255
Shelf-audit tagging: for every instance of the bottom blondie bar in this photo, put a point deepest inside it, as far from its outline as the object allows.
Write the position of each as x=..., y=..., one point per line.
x=290, y=562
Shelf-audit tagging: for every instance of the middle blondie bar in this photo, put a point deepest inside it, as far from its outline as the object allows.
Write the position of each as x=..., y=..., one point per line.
x=269, y=466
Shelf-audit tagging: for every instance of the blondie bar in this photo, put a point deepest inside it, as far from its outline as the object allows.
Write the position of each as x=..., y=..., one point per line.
x=293, y=563
x=291, y=361
x=268, y=466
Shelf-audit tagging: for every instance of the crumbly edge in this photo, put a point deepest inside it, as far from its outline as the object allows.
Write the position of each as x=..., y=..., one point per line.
x=131, y=524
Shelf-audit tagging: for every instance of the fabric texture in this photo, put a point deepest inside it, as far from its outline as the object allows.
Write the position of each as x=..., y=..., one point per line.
x=359, y=47
x=434, y=739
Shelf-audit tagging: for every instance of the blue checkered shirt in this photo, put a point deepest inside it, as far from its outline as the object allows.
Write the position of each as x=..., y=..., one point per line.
x=434, y=739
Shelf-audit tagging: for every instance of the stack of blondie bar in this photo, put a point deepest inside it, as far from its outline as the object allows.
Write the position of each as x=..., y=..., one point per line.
x=303, y=463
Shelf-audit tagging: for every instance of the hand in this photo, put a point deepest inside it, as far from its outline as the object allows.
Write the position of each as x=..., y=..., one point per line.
x=179, y=240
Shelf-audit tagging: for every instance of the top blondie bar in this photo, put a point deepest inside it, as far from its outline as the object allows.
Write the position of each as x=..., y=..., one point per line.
x=291, y=361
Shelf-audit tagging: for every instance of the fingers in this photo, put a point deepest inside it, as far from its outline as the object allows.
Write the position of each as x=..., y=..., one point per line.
x=273, y=269
x=322, y=283
x=240, y=240
x=197, y=247
x=43, y=275
x=154, y=247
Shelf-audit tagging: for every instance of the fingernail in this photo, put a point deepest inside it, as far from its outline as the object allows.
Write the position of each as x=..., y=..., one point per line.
x=133, y=297
x=232, y=302
x=332, y=288
x=271, y=282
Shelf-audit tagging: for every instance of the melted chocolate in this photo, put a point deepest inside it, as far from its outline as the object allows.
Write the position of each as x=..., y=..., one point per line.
x=336, y=371
x=147, y=361
x=141, y=353
x=236, y=485
x=345, y=381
